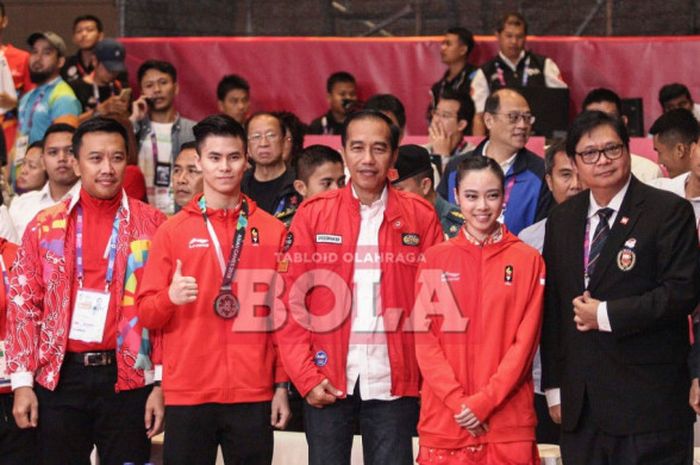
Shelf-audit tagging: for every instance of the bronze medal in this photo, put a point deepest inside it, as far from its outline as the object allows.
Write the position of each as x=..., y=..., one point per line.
x=226, y=305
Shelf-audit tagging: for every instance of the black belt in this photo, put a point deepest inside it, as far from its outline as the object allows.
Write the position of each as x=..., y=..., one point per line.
x=92, y=359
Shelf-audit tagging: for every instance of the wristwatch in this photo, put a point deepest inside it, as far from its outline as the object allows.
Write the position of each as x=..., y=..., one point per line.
x=285, y=385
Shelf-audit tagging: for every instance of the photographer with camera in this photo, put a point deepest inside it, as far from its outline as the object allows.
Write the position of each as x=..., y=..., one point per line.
x=160, y=130
x=342, y=97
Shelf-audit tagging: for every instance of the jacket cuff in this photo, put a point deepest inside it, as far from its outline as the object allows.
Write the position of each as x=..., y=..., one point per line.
x=22, y=379
x=480, y=405
x=158, y=373
x=455, y=400
x=311, y=381
x=163, y=301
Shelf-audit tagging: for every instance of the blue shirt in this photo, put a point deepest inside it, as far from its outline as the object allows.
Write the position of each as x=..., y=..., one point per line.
x=44, y=104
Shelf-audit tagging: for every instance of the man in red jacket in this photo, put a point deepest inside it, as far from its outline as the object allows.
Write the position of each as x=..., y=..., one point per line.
x=356, y=251
x=222, y=381
x=79, y=359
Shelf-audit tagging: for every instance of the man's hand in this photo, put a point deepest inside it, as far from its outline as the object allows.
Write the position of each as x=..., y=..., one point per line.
x=139, y=110
x=183, y=289
x=6, y=101
x=113, y=106
x=695, y=395
x=26, y=408
x=323, y=394
x=555, y=413
x=154, y=412
x=586, y=312
x=467, y=419
x=439, y=139
x=281, y=413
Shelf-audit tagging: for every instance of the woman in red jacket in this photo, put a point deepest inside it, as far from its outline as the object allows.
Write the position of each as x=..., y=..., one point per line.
x=476, y=354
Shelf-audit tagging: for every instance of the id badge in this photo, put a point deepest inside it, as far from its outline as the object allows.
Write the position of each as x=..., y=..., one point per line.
x=162, y=175
x=89, y=315
x=21, y=144
x=4, y=375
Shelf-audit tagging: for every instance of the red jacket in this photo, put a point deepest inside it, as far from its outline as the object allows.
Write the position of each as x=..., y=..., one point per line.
x=8, y=250
x=207, y=358
x=323, y=237
x=487, y=367
x=40, y=297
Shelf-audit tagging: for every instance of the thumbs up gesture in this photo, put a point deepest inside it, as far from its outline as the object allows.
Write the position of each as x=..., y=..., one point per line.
x=183, y=289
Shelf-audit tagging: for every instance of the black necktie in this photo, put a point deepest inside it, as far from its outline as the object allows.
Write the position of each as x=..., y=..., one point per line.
x=602, y=231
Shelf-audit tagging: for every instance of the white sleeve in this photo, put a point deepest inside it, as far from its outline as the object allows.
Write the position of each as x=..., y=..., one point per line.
x=553, y=397
x=603, y=318
x=479, y=90
x=552, y=75
x=21, y=379
x=7, y=227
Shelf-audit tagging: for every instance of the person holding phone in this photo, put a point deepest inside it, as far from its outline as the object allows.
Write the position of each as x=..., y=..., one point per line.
x=160, y=130
x=101, y=92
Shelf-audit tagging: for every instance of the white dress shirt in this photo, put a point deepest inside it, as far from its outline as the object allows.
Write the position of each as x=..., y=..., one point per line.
x=368, y=353
x=554, y=395
x=24, y=208
x=7, y=227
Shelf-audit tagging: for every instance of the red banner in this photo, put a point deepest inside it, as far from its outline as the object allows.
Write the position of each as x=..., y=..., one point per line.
x=290, y=72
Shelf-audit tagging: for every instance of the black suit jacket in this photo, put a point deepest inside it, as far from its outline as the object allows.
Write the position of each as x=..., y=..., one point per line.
x=635, y=378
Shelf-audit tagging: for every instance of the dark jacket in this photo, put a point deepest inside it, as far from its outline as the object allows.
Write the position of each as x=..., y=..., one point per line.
x=635, y=378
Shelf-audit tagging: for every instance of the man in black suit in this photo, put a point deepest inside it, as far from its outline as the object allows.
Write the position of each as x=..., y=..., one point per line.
x=622, y=277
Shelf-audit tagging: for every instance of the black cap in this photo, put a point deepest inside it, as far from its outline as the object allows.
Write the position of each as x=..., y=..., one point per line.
x=412, y=160
x=111, y=54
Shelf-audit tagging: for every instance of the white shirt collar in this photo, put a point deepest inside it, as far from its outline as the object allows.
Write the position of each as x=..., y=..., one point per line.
x=380, y=202
x=45, y=192
x=510, y=63
x=505, y=166
x=615, y=202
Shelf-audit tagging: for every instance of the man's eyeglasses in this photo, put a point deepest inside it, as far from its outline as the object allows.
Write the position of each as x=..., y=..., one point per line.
x=270, y=136
x=591, y=156
x=513, y=117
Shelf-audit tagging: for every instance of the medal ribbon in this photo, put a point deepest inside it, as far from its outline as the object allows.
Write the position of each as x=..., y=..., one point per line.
x=112, y=247
x=228, y=270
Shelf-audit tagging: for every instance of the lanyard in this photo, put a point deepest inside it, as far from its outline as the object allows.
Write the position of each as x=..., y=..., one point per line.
x=112, y=247
x=5, y=277
x=506, y=195
x=586, y=248
x=35, y=105
x=96, y=91
x=228, y=270
x=154, y=149
x=501, y=76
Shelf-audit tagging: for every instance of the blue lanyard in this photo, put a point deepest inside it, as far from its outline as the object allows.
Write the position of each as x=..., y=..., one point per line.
x=112, y=247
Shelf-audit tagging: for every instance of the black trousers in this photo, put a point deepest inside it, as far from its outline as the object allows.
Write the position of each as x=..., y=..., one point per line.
x=194, y=432
x=547, y=432
x=84, y=410
x=17, y=446
x=588, y=445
